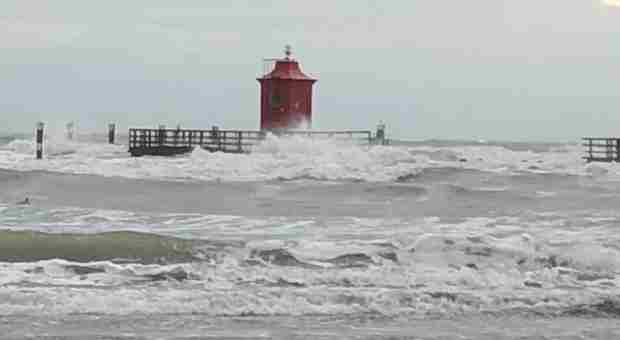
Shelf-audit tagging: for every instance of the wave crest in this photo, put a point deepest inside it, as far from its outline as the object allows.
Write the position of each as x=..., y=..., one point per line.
x=119, y=246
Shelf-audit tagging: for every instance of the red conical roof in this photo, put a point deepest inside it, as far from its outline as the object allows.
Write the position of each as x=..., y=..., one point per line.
x=287, y=69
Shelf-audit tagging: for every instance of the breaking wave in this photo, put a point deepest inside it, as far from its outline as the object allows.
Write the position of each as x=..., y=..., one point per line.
x=276, y=158
x=477, y=266
x=117, y=246
x=297, y=157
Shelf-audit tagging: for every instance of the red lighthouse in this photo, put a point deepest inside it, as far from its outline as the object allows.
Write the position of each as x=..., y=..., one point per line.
x=286, y=96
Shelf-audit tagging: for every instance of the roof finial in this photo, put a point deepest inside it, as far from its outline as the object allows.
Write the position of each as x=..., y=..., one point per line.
x=287, y=51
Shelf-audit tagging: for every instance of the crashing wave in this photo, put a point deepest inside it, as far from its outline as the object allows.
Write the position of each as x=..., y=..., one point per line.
x=276, y=158
x=298, y=157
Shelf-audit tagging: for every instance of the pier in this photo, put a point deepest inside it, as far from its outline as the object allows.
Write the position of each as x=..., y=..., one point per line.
x=286, y=95
x=602, y=149
x=169, y=142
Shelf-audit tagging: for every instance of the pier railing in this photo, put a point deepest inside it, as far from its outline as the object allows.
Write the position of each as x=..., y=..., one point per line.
x=167, y=142
x=602, y=149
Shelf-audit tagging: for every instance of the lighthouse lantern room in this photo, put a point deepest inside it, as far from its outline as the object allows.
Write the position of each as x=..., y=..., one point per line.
x=286, y=96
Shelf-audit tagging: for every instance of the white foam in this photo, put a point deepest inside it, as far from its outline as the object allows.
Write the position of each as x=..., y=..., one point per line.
x=298, y=157
x=565, y=160
x=483, y=261
x=320, y=300
x=286, y=158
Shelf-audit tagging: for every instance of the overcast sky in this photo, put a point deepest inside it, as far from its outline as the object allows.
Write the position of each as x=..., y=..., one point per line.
x=477, y=69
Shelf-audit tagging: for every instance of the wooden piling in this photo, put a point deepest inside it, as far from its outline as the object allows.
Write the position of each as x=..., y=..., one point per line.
x=70, y=131
x=215, y=134
x=111, y=133
x=380, y=134
x=39, y=140
x=176, y=135
x=161, y=135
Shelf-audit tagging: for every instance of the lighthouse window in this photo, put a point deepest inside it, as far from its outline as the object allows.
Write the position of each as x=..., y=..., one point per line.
x=276, y=100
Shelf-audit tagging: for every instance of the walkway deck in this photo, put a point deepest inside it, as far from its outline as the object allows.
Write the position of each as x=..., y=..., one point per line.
x=168, y=142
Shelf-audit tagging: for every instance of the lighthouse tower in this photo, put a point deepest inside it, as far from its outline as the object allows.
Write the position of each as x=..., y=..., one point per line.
x=286, y=96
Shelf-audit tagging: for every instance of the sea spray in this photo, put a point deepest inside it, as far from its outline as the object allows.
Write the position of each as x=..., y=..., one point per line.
x=276, y=158
x=300, y=157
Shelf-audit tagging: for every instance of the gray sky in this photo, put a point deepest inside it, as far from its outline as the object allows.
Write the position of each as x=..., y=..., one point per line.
x=481, y=69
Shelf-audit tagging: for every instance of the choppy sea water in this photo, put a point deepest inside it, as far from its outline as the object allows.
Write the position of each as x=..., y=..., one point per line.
x=309, y=239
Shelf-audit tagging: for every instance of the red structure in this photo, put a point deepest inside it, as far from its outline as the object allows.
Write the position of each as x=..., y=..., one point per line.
x=286, y=96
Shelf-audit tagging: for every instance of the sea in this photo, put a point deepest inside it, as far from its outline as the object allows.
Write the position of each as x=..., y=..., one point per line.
x=309, y=239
